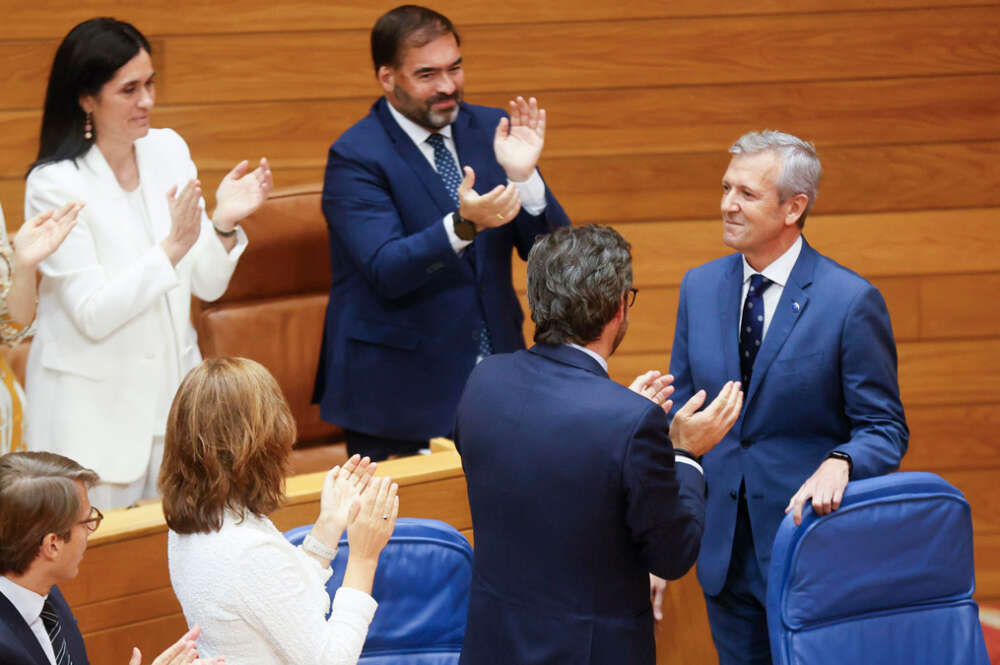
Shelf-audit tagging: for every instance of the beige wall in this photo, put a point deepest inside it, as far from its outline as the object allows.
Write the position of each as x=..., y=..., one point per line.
x=902, y=98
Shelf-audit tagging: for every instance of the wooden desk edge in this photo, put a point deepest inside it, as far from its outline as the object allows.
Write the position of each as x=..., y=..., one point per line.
x=128, y=523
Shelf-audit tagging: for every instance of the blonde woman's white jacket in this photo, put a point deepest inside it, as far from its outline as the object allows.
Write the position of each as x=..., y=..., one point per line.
x=112, y=316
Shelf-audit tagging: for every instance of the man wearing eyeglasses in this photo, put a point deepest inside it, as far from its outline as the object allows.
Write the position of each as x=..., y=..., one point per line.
x=577, y=490
x=46, y=519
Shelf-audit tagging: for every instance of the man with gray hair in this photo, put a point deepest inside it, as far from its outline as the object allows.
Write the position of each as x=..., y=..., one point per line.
x=45, y=518
x=812, y=344
x=575, y=490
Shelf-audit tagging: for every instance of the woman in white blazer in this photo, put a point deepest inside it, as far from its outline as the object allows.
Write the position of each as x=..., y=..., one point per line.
x=114, y=336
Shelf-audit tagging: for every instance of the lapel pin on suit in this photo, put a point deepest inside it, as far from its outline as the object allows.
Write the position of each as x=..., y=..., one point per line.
x=796, y=307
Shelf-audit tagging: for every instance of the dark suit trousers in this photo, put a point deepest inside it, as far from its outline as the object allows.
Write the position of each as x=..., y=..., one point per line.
x=379, y=448
x=737, y=615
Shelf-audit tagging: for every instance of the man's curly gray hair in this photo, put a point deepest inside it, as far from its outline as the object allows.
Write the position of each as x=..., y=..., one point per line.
x=576, y=279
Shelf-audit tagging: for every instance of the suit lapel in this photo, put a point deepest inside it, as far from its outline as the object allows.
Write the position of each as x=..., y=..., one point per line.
x=154, y=190
x=413, y=158
x=20, y=631
x=730, y=289
x=790, y=307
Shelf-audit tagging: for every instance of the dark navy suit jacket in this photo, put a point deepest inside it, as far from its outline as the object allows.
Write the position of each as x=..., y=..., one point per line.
x=401, y=332
x=19, y=646
x=575, y=498
x=824, y=379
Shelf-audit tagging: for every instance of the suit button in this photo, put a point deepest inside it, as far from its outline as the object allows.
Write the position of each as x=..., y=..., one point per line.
x=746, y=443
x=733, y=495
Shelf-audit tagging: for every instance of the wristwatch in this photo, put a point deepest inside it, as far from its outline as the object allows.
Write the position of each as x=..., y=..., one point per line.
x=836, y=454
x=464, y=229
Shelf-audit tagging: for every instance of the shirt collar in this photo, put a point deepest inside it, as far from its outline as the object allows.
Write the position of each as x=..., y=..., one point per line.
x=416, y=133
x=28, y=603
x=780, y=269
x=593, y=354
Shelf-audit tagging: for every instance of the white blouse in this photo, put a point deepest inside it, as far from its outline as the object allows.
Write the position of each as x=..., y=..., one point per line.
x=261, y=600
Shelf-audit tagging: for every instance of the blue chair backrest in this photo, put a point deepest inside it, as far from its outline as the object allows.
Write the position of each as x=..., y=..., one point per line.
x=422, y=589
x=887, y=578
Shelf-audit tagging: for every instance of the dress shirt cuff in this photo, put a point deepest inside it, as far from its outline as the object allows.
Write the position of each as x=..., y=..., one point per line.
x=683, y=459
x=532, y=193
x=241, y=244
x=457, y=243
x=352, y=602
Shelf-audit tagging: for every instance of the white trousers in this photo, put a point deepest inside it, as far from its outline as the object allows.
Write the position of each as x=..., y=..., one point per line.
x=120, y=495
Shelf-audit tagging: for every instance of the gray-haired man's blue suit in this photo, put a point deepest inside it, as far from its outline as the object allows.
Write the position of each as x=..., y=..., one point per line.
x=823, y=380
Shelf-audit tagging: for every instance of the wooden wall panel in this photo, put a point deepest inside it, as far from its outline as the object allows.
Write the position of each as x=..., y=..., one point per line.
x=902, y=98
x=566, y=55
x=587, y=123
x=876, y=245
x=620, y=188
x=55, y=17
x=952, y=437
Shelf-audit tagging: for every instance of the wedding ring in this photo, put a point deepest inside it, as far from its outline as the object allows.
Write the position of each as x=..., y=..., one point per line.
x=499, y=216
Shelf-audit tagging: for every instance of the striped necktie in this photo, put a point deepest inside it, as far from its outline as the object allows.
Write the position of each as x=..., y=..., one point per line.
x=50, y=619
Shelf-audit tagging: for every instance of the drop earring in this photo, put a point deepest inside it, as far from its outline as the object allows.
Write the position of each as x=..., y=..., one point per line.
x=88, y=128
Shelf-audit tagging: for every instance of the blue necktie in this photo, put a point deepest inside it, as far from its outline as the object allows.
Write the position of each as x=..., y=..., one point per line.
x=50, y=619
x=446, y=167
x=752, y=325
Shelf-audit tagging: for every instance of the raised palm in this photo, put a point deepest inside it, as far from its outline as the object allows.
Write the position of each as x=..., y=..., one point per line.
x=241, y=193
x=518, y=141
x=41, y=235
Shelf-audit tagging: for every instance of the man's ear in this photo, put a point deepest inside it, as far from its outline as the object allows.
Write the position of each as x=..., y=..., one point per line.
x=386, y=76
x=794, y=207
x=622, y=306
x=52, y=545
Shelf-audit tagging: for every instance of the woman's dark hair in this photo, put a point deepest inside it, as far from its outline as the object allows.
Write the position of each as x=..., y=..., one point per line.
x=87, y=58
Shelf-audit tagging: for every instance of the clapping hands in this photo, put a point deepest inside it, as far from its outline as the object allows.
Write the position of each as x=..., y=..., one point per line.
x=341, y=489
x=241, y=193
x=518, y=141
x=42, y=234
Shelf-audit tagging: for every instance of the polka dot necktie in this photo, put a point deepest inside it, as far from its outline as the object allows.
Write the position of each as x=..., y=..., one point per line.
x=446, y=167
x=50, y=619
x=752, y=325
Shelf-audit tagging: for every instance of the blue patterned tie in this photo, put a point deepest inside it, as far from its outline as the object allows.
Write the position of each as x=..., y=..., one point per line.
x=446, y=167
x=50, y=619
x=752, y=325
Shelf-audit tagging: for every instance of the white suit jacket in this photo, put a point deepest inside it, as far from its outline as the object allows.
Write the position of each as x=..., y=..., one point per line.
x=107, y=310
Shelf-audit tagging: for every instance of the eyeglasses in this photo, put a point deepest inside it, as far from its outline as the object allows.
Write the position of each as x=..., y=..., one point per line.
x=94, y=520
x=632, y=293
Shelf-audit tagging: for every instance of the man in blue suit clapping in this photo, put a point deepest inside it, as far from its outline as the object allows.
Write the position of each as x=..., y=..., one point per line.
x=425, y=198
x=577, y=492
x=812, y=344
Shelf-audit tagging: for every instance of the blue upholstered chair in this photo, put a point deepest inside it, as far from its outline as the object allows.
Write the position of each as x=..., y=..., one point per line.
x=422, y=589
x=888, y=578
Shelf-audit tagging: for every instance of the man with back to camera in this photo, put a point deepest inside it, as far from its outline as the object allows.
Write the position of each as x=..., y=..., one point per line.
x=43, y=535
x=813, y=345
x=575, y=491
x=424, y=198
